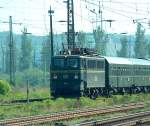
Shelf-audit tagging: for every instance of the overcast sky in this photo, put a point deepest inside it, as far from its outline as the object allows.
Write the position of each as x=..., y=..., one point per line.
x=33, y=14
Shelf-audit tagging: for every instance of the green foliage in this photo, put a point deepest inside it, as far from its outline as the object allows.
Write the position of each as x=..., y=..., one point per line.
x=86, y=101
x=81, y=39
x=148, y=48
x=33, y=75
x=26, y=52
x=19, y=78
x=123, y=51
x=46, y=55
x=7, y=55
x=140, y=43
x=4, y=76
x=62, y=104
x=100, y=41
x=4, y=87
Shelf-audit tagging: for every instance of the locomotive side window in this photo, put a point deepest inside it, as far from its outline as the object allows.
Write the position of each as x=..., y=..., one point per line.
x=91, y=64
x=100, y=64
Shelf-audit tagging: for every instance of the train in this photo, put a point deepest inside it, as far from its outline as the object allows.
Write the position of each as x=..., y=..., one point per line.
x=93, y=76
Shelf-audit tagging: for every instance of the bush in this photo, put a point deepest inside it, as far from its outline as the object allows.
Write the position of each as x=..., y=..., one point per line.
x=4, y=87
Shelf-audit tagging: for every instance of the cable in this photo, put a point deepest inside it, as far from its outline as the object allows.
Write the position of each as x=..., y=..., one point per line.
x=108, y=1
x=113, y=9
x=75, y=13
x=7, y=3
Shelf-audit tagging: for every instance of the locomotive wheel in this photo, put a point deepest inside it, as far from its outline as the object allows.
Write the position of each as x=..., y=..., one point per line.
x=145, y=90
x=93, y=96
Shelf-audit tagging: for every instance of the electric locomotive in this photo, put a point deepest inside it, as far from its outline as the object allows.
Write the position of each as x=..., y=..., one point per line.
x=72, y=74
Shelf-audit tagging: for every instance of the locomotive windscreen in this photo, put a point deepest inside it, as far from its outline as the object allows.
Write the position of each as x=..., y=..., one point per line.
x=58, y=63
x=72, y=63
x=65, y=63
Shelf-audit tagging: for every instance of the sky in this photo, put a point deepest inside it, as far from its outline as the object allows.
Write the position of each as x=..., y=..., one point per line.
x=33, y=14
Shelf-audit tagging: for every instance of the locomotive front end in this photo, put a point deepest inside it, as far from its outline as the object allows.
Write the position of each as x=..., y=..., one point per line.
x=65, y=76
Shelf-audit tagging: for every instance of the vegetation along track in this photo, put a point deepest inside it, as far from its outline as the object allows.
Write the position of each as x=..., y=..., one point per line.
x=20, y=101
x=136, y=119
x=55, y=117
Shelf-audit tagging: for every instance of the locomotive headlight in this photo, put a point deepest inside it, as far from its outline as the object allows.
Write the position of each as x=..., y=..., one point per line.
x=76, y=76
x=55, y=76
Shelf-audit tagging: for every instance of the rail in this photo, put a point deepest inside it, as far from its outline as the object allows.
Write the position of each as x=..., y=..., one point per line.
x=55, y=117
x=129, y=120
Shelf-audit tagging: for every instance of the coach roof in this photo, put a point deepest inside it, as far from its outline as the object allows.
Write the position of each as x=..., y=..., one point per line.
x=129, y=61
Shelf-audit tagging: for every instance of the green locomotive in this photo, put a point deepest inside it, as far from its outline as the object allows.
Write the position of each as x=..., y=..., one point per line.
x=76, y=75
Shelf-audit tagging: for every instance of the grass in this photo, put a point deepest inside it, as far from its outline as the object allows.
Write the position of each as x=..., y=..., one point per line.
x=61, y=104
x=21, y=94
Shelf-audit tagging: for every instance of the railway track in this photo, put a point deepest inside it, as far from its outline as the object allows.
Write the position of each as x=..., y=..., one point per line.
x=137, y=119
x=20, y=101
x=55, y=117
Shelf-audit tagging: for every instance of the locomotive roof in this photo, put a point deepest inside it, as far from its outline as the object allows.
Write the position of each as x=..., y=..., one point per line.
x=81, y=56
x=130, y=61
x=114, y=60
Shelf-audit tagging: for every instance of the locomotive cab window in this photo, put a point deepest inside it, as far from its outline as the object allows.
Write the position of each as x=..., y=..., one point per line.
x=58, y=62
x=72, y=62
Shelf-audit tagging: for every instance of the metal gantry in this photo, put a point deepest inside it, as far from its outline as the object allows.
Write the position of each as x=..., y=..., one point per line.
x=70, y=26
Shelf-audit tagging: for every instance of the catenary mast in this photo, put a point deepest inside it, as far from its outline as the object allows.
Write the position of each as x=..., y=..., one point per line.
x=70, y=25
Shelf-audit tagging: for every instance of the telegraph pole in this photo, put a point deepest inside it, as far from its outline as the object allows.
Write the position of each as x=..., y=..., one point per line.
x=51, y=30
x=12, y=67
x=11, y=53
x=51, y=40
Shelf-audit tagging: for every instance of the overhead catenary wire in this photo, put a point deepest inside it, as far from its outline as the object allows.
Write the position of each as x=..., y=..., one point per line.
x=43, y=22
x=115, y=11
x=95, y=4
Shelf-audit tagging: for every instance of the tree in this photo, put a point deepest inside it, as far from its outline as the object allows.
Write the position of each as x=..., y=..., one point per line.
x=123, y=51
x=148, y=48
x=34, y=64
x=46, y=58
x=3, y=56
x=26, y=52
x=46, y=55
x=140, y=43
x=7, y=56
x=81, y=39
x=100, y=41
